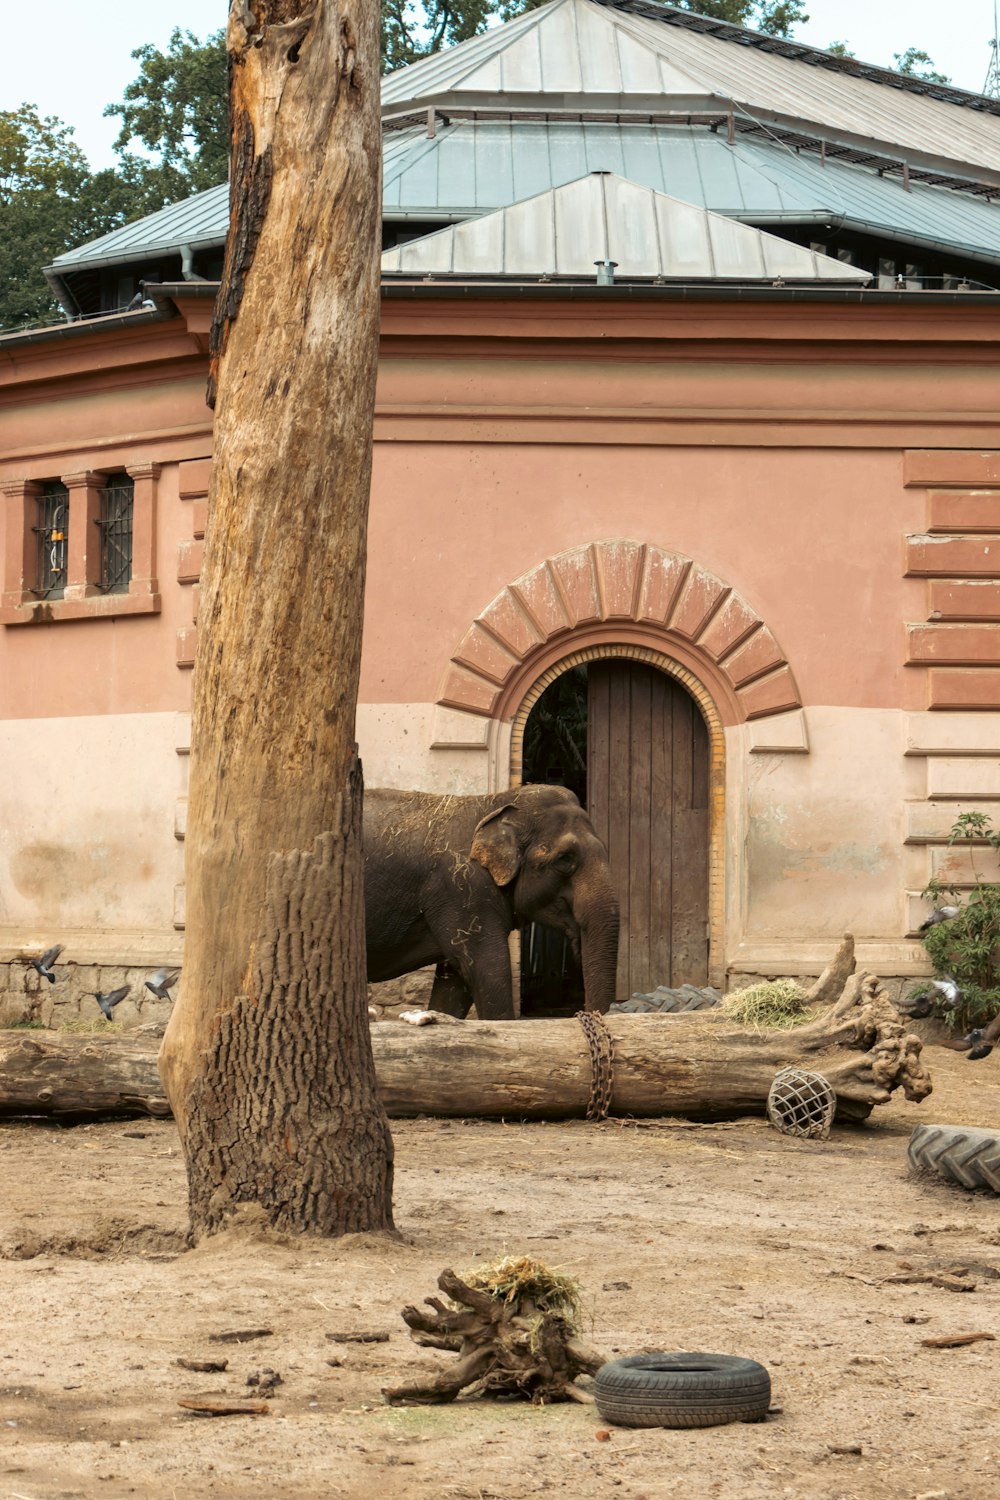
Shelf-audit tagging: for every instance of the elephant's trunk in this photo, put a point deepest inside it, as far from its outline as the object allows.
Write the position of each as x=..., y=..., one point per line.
x=597, y=916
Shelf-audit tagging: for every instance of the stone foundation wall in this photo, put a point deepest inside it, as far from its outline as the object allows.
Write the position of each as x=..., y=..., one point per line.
x=409, y=992
x=26, y=998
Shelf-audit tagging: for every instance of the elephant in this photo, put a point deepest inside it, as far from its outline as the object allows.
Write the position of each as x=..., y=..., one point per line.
x=448, y=878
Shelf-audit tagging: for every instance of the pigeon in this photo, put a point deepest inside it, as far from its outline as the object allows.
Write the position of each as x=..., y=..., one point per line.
x=108, y=1002
x=939, y=914
x=977, y=1047
x=948, y=990
x=916, y=1005
x=162, y=982
x=44, y=964
x=136, y=302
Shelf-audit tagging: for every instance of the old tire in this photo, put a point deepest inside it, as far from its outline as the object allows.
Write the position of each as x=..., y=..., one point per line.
x=682, y=1390
x=968, y=1157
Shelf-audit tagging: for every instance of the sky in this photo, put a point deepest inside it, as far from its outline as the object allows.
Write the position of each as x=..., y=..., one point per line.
x=71, y=59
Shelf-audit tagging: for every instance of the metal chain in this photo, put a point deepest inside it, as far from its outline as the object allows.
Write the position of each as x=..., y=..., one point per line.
x=602, y=1057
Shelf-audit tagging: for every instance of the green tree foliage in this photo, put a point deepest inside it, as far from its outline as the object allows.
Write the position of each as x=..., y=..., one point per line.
x=43, y=174
x=967, y=948
x=178, y=108
x=917, y=64
x=412, y=30
x=773, y=17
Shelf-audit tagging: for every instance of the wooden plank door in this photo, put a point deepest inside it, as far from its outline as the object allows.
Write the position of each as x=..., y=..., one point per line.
x=647, y=795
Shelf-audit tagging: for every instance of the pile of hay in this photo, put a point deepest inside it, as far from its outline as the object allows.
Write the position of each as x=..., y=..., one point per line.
x=528, y=1282
x=772, y=1005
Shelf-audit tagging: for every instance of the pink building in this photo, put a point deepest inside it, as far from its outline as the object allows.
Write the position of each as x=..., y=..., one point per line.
x=743, y=476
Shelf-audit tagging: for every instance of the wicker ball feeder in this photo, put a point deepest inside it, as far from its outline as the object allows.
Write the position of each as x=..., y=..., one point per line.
x=801, y=1103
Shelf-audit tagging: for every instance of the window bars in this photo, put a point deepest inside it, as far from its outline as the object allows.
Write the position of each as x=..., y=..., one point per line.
x=52, y=532
x=115, y=522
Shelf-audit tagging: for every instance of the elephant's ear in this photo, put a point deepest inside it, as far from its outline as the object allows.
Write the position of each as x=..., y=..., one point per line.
x=495, y=845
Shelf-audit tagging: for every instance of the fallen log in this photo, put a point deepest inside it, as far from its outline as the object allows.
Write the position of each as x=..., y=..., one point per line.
x=700, y=1065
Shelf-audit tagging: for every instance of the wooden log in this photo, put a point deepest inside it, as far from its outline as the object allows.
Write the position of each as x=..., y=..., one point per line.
x=699, y=1065
x=63, y=1072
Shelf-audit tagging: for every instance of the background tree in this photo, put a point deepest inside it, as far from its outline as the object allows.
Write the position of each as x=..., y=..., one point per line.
x=49, y=202
x=917, y=64
x=267, y=1059
x=177, y=107
x=409, y=30
x=773, y=17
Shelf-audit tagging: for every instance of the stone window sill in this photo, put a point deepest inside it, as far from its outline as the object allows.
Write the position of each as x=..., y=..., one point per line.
x=92, y=607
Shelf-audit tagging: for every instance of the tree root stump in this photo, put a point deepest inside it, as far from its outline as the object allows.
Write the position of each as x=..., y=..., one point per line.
x=507, y=1346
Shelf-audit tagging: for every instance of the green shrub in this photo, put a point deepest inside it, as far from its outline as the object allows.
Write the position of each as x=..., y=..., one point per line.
x=967, y=948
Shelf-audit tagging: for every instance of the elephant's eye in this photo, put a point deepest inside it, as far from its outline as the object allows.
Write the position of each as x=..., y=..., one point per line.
x=566, y=862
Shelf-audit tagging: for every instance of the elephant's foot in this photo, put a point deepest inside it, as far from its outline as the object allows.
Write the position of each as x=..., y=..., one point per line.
x=449, y=993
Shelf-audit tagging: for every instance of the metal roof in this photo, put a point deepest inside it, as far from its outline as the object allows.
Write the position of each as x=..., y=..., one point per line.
x=609, y=53
x=572, y=79
x=472, y=166
x=199, y=221
x=601, y=217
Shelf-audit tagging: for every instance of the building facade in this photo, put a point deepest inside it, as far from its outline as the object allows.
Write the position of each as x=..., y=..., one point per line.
x=742, y=484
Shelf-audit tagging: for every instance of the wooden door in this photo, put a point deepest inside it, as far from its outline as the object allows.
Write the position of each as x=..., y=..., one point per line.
x=647, y=795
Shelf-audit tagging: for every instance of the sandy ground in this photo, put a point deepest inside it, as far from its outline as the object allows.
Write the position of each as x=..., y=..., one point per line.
x=727, y=1238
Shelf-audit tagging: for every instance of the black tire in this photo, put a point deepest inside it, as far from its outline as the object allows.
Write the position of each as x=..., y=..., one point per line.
x=682, y=1390
x=969, y=1157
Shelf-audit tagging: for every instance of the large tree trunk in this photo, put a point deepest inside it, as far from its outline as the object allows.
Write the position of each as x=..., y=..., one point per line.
x=701, y=1065
x=267, y=1062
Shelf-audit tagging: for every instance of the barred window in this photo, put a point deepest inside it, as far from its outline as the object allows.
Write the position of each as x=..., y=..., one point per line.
x=115, y=522
x=52, y=532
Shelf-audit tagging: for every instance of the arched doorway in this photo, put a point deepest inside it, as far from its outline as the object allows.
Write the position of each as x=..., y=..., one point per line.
x=632, y=742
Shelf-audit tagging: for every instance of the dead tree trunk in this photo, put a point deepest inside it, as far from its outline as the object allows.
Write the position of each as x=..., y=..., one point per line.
x=267, y=1062
x=701, y=1065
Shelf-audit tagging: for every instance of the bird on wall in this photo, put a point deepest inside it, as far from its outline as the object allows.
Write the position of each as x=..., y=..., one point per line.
x=44, y=964
x=939, y=914
x=162, y=982
x=109, y=1001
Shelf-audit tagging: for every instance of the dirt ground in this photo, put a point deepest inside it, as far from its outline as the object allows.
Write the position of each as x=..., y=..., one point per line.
x=726, y=1238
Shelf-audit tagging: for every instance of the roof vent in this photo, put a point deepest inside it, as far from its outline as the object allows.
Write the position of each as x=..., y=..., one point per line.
x=605, y=272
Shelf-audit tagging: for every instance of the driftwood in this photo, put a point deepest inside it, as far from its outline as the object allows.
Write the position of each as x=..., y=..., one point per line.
x=505, y=1347
x=700, y=1065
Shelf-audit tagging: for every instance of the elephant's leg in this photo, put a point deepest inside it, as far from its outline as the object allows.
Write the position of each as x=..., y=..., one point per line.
x=481, y=975
x=488, y=975
x=450, y=993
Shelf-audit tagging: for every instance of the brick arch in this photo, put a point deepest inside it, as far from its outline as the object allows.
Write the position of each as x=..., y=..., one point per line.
x=633, y=594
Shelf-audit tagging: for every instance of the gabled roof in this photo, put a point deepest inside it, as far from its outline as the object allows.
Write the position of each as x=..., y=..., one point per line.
x=629, y=55
x=602, y=217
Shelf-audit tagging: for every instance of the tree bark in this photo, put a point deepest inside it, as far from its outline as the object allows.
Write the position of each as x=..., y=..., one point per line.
x=266, y=1061
x=699, y=1065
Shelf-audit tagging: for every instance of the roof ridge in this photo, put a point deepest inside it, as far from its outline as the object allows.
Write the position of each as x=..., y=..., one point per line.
x=853, y=67
x=494, y=41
